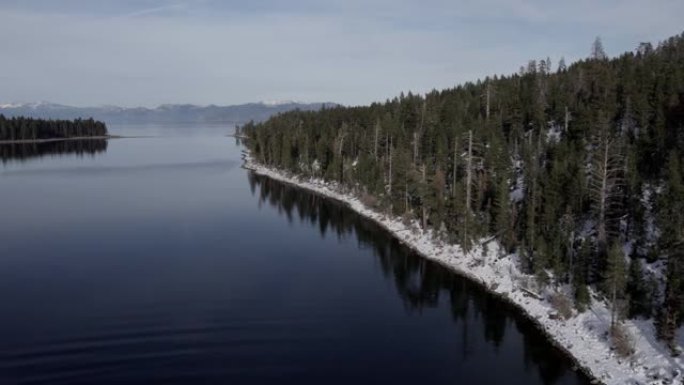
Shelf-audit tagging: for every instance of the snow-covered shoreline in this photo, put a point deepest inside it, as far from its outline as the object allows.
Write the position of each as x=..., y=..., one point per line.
x=583, y=336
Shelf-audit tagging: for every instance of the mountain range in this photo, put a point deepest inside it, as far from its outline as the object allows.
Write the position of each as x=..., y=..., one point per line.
x=167, y=113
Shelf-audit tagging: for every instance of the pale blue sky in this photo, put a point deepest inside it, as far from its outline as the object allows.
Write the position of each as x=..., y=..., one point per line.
x=149, y=52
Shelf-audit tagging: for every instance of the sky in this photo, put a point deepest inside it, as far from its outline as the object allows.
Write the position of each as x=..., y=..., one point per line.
x=354, y=52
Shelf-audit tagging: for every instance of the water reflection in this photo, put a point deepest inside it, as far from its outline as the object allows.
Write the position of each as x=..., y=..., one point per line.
x=25, y=151
x=219, y=166
x=422, y=284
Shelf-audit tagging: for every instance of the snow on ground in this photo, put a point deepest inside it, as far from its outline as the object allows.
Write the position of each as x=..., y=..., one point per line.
x=583, y=336
x=555, y=132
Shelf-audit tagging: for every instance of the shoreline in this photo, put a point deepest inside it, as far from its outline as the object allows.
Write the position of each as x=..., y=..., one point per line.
x=582, y=337
x=236, y=136
x=47, y=140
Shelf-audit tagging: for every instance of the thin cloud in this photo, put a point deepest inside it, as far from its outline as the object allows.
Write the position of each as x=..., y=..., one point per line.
x=164, y=9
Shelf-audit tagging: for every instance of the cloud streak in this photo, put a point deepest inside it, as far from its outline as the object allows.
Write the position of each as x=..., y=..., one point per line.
x=153, y=52
x=162, y=9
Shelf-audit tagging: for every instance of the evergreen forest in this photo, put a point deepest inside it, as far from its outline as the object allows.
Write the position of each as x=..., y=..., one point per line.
x=23, y=128
x=578, y=169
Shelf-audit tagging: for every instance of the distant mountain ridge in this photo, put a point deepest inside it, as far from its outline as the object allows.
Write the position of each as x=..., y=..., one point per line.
x=166, y=113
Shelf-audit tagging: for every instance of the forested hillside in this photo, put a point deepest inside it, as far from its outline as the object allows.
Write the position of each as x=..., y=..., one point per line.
x=578, y=169
x=21, y=128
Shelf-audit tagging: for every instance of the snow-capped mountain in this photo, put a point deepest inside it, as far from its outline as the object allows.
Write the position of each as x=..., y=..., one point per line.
x=166, y=113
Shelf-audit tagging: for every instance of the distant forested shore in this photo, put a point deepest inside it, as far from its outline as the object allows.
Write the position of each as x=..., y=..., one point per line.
x=29, y=129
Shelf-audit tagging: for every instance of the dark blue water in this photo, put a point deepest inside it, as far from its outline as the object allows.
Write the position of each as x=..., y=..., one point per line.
x=160, y=260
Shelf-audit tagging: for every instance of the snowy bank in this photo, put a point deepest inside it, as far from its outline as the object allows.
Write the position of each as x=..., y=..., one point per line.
x=584, y=336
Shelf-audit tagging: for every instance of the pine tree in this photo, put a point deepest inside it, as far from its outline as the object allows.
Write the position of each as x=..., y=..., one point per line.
x=671, y=312
x=607, y=179
x=615, y=281
x=597, y=51
x=641, y=291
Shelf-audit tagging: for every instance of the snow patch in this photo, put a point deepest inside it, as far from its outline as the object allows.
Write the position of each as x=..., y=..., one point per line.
x=11, y=105
x=275, y=103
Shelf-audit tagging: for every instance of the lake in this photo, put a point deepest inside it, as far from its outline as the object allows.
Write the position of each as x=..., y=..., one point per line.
x=161, y=260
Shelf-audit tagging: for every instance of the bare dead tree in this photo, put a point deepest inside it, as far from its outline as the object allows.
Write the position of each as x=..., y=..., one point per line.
x=424, y=211
x=416, y=139
x=606, y=182
x=375, y=141
x=340, y=147
x=340, y=139
x=469, y=171
x=455, y=167
x=389, y=156
x=473, y=163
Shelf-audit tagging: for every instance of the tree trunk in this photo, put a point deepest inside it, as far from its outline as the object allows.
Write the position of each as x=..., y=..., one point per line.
x=613, y=308
x=424, y=203
x=375, y=142
x=415, y=147
x=390, y=170
x=487, y=108
x=603, y=198
x=453, y=181
x=469, y=171
x=406, y=195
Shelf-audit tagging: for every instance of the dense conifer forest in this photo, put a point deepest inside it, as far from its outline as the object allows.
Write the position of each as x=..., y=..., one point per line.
x=576, y=168
x=21, y=128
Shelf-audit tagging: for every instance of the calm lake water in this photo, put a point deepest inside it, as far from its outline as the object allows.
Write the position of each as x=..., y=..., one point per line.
x=161, y=260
